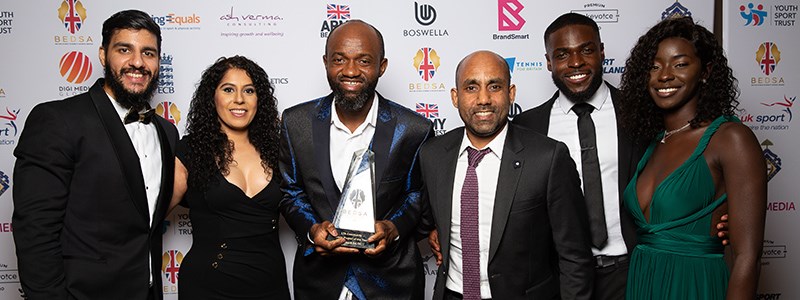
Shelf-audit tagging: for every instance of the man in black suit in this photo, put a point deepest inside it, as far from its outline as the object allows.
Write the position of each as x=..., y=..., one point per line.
x=514, y=225
x=575, y=58
x=319, y=139
x=93, y=178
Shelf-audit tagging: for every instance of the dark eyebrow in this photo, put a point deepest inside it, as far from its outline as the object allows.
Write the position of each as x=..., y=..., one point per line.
x=581, y=46
x=129, y=45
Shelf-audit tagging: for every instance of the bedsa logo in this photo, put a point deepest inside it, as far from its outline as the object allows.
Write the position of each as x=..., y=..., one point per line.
x=425, y=15
x=170, y=267
x=169, y=111
x=599, y=13
x=754, y=15
x=767, y=57
x=773, y=160
x=8, y=127
x=6, y=20
x=675, y=10
x=426, y=62
x=431, y=112
x=173, y=21
x=5, y=183
x=72, y=15
x=336, y=14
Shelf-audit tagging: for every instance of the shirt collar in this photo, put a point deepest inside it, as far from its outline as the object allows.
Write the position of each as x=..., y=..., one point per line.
x=371, y=120
x=496, y=144
x=121, y=111
x=597, y=101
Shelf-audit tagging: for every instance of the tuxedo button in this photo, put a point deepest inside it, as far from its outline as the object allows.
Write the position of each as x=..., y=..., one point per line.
x=214, y=265
x=224, y=246
x=219, y=256
x=273, y=227
x=274, y=221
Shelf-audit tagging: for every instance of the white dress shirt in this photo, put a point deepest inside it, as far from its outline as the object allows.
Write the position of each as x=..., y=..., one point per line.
x=343, y=144
x=564, y=128
x=147, y=145
x=488, y=172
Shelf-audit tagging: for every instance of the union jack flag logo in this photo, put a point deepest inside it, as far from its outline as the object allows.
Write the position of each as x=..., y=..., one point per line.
x=72, y=13
x=426, y=62
x=171, y=265
x=338, y=12
x=428, y=110
x=169, y=111
x=768, y=56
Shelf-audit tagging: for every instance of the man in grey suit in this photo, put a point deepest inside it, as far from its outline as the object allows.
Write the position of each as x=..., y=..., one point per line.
x=318, y=142
x=506, y=201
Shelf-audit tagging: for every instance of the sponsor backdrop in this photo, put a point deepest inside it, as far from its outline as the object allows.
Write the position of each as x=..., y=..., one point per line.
x=762, y=44
x=50, y=51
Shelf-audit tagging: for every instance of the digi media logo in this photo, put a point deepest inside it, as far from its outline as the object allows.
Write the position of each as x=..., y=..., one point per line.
x=170, y=267
x=75, y=67
x=599, y=13
x=336, y=14
x=754, y=17
x=9, y=127
x=6, y=20
x=508, y=15
x=773, y=160
x=676, y=10
x=165, y=78
x=169, y=111
x=768, y=56
x=427, y=63
x=424, y=14
x=431, y=112
x=72, y=14
x=5, y=183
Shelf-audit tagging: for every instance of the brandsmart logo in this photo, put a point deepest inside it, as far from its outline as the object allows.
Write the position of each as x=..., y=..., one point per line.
x=510, y=19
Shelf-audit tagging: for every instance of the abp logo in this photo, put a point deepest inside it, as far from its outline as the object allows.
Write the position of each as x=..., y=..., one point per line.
x=75, y=67
x=768, y=56
x=756, y=14
x=72, y=13
x=508, y=17
x=169, y=111
x=426, y=61
x=171, y=265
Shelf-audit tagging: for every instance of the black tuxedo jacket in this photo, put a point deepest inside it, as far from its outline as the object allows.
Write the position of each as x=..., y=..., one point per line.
x=311, y=196
x=629, y=153
x=539, y=246
x=81, y=224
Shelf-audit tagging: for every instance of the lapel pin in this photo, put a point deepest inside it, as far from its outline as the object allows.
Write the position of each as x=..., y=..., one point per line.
x=517, y=164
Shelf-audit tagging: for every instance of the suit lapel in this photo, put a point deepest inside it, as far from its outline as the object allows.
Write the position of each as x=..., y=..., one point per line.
x=447, y=156
x=382, y=139
x=624, y=146
x=167, y=173
x=123, y=148
x=321, y=137
x=511, y=166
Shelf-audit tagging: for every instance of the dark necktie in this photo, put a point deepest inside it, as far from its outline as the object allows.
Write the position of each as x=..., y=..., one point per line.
x=470, y=243
x=592, y=184
x=145, y=117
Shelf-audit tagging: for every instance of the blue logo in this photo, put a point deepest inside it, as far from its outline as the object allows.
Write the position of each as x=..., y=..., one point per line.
x=754, y=16
x=166, y=84
x=676, y=10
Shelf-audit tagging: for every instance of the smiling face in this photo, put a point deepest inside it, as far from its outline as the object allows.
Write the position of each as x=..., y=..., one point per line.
x=353, y=65
x=236, y=100
x=575, y=59
x=676, y=75
x=131, y=67
x=482, y=95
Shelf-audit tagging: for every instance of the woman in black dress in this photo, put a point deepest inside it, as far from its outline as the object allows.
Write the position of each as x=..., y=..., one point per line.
x=226, y=173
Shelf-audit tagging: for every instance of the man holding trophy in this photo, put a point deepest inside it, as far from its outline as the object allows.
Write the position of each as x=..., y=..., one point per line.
x=351, y=180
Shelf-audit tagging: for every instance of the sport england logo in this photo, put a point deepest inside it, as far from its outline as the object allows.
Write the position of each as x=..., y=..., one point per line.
x=676, y=10
x=425, y=14
x=75, y=67
x=773, y=160
x=169, y=111
x=166, y=84
x=754, y=17
x=336, y=14
x=508, y=15
x=72, y=13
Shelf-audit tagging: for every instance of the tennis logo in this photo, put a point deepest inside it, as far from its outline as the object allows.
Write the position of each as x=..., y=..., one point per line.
x=75, y=67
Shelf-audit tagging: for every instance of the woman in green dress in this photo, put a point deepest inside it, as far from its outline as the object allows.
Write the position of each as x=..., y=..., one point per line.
x=680, y=96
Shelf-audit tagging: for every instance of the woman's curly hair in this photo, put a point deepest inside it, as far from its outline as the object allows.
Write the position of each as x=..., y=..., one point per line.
x=716, y=97
x=209, y=150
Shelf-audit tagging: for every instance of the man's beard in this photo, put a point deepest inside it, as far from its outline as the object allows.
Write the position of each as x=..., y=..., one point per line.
x=352, y=104
x=129, y=100
x=579, y=97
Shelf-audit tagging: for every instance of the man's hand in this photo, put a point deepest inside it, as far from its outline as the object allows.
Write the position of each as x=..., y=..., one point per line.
x=319, y=236
x=385, y=233
x=433, y=241
x=722, y=230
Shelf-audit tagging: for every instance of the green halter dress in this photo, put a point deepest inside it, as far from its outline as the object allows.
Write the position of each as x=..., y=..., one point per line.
x=677, y=258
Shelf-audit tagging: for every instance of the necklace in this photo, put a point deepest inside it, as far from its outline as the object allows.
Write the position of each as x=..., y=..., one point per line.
x=668, y=134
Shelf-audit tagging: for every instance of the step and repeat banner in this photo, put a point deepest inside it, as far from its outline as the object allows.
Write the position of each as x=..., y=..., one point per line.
x=50, y=51
x=762, y=40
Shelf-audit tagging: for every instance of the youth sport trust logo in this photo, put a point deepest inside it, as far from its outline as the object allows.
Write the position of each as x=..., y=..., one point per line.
x=754, y=15
x=72, y=15
x=336, y=14
x=170, y=267
x=6, y=20
x=169, y=111
x=768, y=56
x=431, y=112
x=426, y=62
x=778, y=15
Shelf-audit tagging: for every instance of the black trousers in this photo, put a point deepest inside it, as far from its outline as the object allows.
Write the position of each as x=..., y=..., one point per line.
x=610, y=281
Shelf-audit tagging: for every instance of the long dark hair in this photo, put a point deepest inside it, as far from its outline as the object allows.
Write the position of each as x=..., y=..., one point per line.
x=717, y=96
x=210, y=151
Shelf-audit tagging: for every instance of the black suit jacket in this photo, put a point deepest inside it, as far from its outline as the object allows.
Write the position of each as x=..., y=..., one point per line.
x=629, y=153
x=81, y=224
x=539, y=246
x=311, y=196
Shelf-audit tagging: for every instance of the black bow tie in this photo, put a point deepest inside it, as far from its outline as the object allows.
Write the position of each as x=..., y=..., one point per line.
x=144, y=117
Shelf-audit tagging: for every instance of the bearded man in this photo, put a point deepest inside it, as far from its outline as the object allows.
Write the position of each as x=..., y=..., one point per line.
x=93, y=178
x=318, y=141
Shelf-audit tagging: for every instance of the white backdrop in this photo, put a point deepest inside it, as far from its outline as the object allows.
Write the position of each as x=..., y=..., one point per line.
x=38, y=39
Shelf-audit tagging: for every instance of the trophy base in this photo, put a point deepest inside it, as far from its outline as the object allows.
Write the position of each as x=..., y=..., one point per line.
x=354, y=238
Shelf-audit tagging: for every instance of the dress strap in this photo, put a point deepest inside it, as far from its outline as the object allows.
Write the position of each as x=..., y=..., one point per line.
x=712, y=128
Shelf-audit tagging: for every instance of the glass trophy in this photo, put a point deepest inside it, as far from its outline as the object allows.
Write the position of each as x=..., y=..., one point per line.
x=355, y=215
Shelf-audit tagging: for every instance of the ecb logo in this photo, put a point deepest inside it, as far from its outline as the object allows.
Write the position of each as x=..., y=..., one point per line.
x=427, y=62
x=165, y=78
x=768, y=56
x=75, y=67
x=425, y=14
x=72, y=13
x=171, y=265
x=754, y=16
x=336, y=15
x=169, y=111
x=772, y=160
x=676, y=10
x=508, y=15
x=5, y=183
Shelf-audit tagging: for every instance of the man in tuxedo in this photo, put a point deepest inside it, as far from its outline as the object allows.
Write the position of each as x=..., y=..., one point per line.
x=575, y=59
x=319, y=139
x=94, y=176
x=506, y=201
